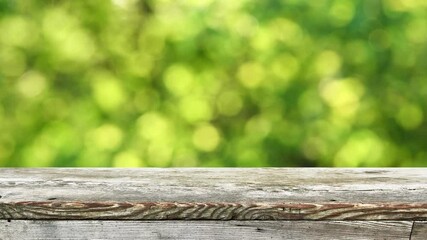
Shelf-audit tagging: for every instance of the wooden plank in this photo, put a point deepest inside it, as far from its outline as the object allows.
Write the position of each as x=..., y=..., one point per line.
x=221, y=184
x=419, y=231
x=210, y=211
x=215, y=194
x=204, y=230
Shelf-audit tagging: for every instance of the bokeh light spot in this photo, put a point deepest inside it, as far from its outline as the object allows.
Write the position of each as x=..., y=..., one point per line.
x=257, y=127
x=284, y=67
x=416, y=31
x=159, y=154
x=12, y=62
x=193, y=109
x=70, y=40
x=229, y=103
x=251, y=74
x=179, y=79
x=328, y=63
x=244, y=24
x=152, y=126
x=363, y=148
x=206, y=138
x=127, y=159
x=287, y=31
x=105, y=137
x=31, y=84
x=409, y=116
x=341, y=12
x=343, y=95
x=18, y=31
x=107, y=91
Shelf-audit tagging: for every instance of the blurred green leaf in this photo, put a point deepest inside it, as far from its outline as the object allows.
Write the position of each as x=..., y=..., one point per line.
x=133, y=83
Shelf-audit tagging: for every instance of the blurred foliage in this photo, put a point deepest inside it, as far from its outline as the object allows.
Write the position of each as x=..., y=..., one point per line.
x=213, y=83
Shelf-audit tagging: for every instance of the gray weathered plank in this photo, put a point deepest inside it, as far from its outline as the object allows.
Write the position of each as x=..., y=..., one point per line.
x=419, y=231
x=215, y=194
x=308, y=230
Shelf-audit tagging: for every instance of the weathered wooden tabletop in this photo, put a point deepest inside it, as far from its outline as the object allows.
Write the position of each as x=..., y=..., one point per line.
x=215, y=203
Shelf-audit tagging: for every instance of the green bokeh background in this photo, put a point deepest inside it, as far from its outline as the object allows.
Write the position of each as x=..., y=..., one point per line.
x=169, y=83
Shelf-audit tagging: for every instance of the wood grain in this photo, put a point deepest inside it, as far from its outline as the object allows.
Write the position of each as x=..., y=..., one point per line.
x=232, y=230
x=210, y=211
x=214, y=194
x=419, y=231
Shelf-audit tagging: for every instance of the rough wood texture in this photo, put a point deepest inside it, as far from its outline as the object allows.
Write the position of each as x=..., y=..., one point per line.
x=419, y=231
x=307, y=230
x=214, y=194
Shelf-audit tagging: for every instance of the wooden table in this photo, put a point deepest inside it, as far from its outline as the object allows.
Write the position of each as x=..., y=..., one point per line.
x=214, y=203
